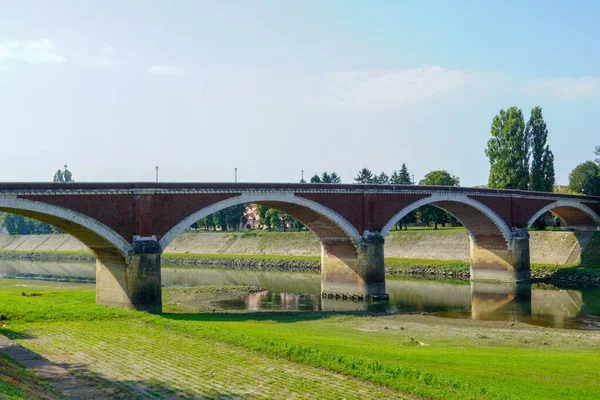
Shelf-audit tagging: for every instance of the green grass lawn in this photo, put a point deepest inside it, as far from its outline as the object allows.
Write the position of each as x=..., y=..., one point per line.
x=420, y=355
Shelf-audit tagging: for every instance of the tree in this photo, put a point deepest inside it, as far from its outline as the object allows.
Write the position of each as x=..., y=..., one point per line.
x=430, y=213
x=235, y=216
x=365, y=176
x=405, y=178
x=585, y=178
x=548, y=178
x=508, y=151
x=326, y=178
x=19, y=225
x=597, y=152
x=440, y=178
x=63, y=176
x=381, y=179
x=542, y=159
x=67, y=175
x=58, y=176
x=402, y=177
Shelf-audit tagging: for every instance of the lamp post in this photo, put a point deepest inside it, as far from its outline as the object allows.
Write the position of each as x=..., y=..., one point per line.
x=156, y=173
x=235, y=176
x=302, y=178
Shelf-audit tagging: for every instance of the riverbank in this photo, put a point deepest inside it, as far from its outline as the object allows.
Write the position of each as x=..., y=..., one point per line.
x=294, y=354
x=447, y=244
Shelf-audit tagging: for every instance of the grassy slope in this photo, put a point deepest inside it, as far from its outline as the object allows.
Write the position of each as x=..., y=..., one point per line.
x=16, y=383
x=492, y=360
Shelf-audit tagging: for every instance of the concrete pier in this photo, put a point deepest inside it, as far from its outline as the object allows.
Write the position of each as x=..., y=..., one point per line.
x=502, y=264
x=354, y=272
x=134, y=283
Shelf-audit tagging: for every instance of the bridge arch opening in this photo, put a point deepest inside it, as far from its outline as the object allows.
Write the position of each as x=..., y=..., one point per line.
x=572, y=213
x=497, y=253
x=122, y=280
x=485, y=227
x=344, y=268
x=325, y=223
x=573, y=216
x=96, y=236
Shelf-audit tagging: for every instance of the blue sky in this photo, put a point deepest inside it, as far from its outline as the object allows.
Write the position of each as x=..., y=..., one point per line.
x=114, y=88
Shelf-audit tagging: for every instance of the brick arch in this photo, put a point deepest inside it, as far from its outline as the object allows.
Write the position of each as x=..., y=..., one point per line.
x=485, y=226
x=572, y=212
x=328, y=225
x=95, y=235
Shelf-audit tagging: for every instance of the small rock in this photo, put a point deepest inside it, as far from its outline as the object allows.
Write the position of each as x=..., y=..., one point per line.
x=544, y=343
x=512, y=324
x=401, y=328
x=385, y=327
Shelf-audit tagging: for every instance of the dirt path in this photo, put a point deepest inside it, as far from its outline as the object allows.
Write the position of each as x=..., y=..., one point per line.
x=58, y=377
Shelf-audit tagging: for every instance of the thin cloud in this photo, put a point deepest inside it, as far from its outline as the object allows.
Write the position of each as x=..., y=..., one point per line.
x=106, y=58
x=566, y=87
x=165, y=70
x=42, y=51
x=383, y=89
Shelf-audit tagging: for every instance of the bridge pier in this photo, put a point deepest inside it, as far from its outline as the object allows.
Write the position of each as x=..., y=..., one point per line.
x=510, y=263
x=357, y=272
x=135, y=283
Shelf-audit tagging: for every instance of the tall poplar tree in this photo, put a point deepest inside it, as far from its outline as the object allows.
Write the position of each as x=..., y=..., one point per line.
x=542, y=159
x=508, y=151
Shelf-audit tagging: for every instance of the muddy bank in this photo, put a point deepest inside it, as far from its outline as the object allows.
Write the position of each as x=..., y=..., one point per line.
x=192, y=299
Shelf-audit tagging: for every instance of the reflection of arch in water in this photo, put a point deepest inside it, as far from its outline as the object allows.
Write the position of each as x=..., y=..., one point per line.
x=488, y=299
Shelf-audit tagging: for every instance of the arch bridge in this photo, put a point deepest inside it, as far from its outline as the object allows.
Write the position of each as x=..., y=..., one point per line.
x=127, y=225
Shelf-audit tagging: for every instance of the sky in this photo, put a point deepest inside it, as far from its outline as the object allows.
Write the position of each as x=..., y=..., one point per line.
x=273, y=88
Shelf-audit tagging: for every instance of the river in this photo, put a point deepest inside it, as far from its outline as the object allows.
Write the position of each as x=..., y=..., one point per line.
x=542, y=305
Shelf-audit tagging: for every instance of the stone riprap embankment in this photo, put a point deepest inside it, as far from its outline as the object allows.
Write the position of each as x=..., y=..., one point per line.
x=245, y=263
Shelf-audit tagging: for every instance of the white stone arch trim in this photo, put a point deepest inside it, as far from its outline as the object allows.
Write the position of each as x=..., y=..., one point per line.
x=64, y=213
x=459, y=198
x=565, y=203
x=289, y=198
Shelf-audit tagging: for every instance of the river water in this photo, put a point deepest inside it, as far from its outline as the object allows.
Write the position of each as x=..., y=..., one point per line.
x=542, y=305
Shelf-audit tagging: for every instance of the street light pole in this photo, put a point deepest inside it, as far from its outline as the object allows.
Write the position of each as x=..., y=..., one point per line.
x=156, y=173
x=235, y=170
x=302, y=180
